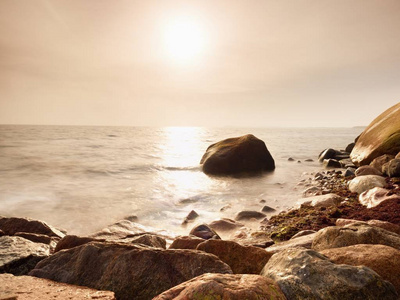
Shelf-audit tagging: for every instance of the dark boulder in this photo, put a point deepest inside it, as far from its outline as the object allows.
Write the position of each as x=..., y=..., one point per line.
x=205, y=232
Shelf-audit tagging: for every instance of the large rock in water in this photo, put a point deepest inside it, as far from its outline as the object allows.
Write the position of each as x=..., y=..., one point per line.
x=245, y=154
x=382, y=136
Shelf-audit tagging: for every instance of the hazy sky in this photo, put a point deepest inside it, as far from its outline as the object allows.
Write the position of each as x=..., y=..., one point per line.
x=198, y=63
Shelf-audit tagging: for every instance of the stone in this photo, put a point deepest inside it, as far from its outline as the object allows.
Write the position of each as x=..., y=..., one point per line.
x=382, y=136
x=147, y=239
x=249, y=214
x=241, y=259
x=349, y=172
x=303, y=233
x=34, y=237
x=376, y=196
x=190, y=217
x=258, y=238
x=186, y=242
x=309, y=160
x=18, y=255
x=331, y=163
x=267, y=209
x=321, y=200
x=307, y=274
x=353, y=234
x=327, y=154
x=205, y=232
x=304, y=241
x=245, y=154
x=350, y=147
x=377, y=223
x=291, y=159
x=367, y=170
x=12, y=225
x=364, y=183
x=71, y=241
x=393, y=168
x=378, y=162
x=225, y=286
x=31, y=288
x=2, y=232
x=130, y=271
x=225, y=224
x=384, y=260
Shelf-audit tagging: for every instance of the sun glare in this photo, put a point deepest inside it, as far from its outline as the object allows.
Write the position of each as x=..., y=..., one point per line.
x=184, y=39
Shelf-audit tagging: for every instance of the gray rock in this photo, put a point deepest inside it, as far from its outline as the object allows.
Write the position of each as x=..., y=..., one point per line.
x=364, y=183
x=306, y=274
x=205, y=232
x=249, y=214
x=331, y=163
x=349, y=172
x=350, y=147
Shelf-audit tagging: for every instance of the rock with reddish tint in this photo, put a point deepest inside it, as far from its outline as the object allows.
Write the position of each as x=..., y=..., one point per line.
x=307, y=274
x=10, y=226
x=376, y=196
x=321, y=200
x=378, y=162
x=304, y=241
x=384, y=260
x=364, y=183
x=367, y=170
x=147, y=239
x=186, y=242
x=130, y=271
x=249, y=214
x=245, y=154
x=393, y=168
x=205, y=232
x=377, y=223
x=71, y=241
x=241, y=259
x=31, y=288
x=225, y=286
x=18, y=255
x=225, y=224
x=353, y=234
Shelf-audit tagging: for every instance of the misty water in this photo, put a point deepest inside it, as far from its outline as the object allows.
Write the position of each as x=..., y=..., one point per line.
x=84, y=178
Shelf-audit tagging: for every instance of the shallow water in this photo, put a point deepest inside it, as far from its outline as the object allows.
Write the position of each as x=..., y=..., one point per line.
x=83, y=178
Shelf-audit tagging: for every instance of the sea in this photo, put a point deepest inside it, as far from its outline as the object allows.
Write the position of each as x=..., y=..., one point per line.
x=83, y=178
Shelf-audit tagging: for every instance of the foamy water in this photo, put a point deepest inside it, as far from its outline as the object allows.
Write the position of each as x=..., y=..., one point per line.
x=84, y=178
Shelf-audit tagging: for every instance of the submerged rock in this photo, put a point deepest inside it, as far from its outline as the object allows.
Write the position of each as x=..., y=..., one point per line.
x=249, y=214
x=225, y=224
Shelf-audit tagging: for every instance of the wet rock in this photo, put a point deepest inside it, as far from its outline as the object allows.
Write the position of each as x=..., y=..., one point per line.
x=350, y=147
x=225, y=207
x=190, y=217
x=268, y=209
x=132, y=218
x=331, y=163
x=241, y=259
x=384, y=260
x=377, y=223
x=10, y=226
x=306, y=274
x=130, y=271
x=367, y=170
x=237, y=155
x=309, y=160
x=225, y=224
x=291, y=159
x=224, y=286
x=249, y=214
x=393, y=168
x=364, y=183
x=348, y=235
x=321, y=201
x=327, y=154
x=382, y=136
x=205, y=232
x=304, y=241
x=378, y=162
x=18, y=255
x=375, y=196
x=349, y=172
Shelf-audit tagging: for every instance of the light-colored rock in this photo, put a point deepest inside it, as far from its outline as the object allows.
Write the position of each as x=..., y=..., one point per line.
x=384, y=260
x=225, y=286
x=377, y=223
x=31, y=288
x=304, y=241
x=321, y=200
x=367, y=170
x=376, y=196
x=307, y=274
x=364, y=183
x=382, y=136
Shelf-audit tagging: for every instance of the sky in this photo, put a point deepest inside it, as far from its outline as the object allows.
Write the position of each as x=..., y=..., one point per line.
x=255, y=63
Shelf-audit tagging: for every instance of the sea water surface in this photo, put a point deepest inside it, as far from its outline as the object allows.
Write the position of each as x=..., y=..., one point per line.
x=83, y=178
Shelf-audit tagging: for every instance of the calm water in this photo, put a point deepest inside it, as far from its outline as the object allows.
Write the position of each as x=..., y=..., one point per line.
x=84, y=178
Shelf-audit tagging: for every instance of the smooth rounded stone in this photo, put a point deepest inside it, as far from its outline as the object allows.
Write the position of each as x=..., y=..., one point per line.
x=377, y=223
x=321, y=200
x=349, y=172
x=130, y=271
x=382, y=136
x=225, y=286
x=367, y=170
x=312, y=191
x=380, y=161
x=307, y=274
x=32, y=288
x=331, y=163
x=249, y=214
x=225, y=224
x=375, y=196
x=268, y=209
x=350, y=147
x=186, y=242
x=384, y=260
x=291, y=159
x=302, y=233
x=18, y=255
x=245, y=154
x=393, y=168
x=190, y=217
x=12, y=225
x=364, y=183
x=353, y=234
x=327, y=154
x=304, y=241
x=205, y=232
x=241, y=259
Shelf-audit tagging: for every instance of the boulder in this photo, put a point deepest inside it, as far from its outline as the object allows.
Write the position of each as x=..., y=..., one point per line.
x=245, y=154
x=186, y=242
x=241, y=259
x=364, y=183
x=375, y=196
x=249, y=214
x=303, y=233
x=12, y=225
x=382, y=136
x=367, y=170
x=321, y=200
x=31, y=288
x=246, y=237
x=327, y=154
x=147, y=239
x=304, y=241
x=380, y=161
x=307, y=274
x=353, y=234
x=393, y=168
x=130, y=271
x=384, y=260
x=349, y=172
x=331, y=163
x=225, y=286
x=225, y=224
x=18, y=255
x=377, y=223
x=205, y=232
x=71, y=241
x=350, y=147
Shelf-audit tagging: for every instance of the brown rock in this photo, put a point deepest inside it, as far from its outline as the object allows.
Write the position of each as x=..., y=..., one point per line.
x=246, y=237
x=225, y=224
x=190, y=217
x=10, y=226
x=237, y=155
x=31, y=288
x=367, y=170
x=393, y=168
x=249, y=214
x=377, y=223
x=224, y=286
x=376, y=196
x=186, y=242
x=304, y=241
x=378, y=162
x=130, y=271
x=34, y=237
x=71, y=241
x=241, y=259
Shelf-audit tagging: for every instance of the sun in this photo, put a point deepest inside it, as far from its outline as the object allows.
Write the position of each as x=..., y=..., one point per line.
x=184, y=40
